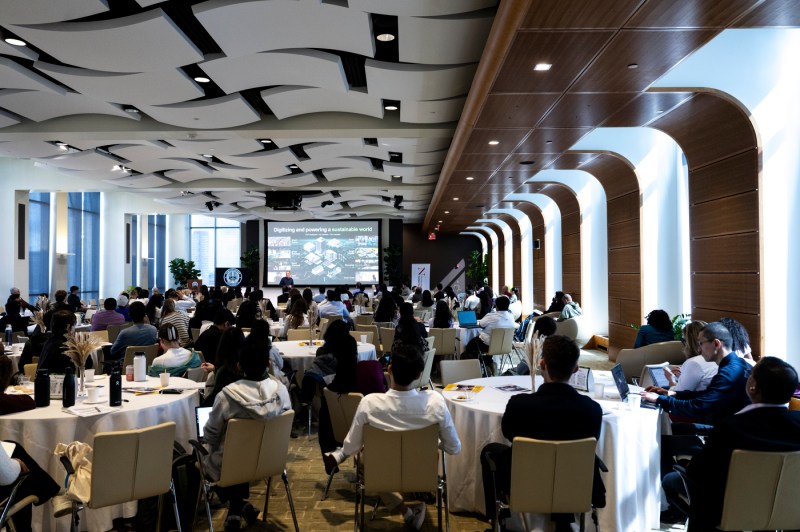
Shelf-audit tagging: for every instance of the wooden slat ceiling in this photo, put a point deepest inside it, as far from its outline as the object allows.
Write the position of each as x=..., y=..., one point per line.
x=537, y=116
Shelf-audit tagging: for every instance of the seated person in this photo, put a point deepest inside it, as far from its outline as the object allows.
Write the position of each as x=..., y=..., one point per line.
x=696, y=373
x=333, y=307
x=765, y=425
x=255, y=396
x=442, y=318
x=401, y=408
x=297, y=317
x=59, y=304
x=571, y=309
x=140, y=333
x=545, y=326
x=226, y=363
x=179, y=320
x=409, y=330
x=557, y=303
x=337, y=340
x=657, y=329
x=471, y=302
x=555, y=412
x=208, y=342
x=175, y=360
x=13, y=316
x=10, y=404
x=39, y=483
x=501, y=318
x=108, y=316
x=52, y=357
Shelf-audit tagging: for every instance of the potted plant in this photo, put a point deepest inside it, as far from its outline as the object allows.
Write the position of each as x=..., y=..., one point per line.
x=251, y=259
x=392, y=265
x=183, y=270
x=478, y=267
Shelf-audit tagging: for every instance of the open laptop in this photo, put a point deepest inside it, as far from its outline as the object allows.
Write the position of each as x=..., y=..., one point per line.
x=201, y=414
x=624, y=390
x=467, y=319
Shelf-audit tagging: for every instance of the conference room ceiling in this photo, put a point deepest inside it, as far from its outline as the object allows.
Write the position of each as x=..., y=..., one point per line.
x=604, y=54
x=297, y=96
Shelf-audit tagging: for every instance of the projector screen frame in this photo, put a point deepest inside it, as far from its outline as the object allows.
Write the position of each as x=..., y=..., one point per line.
x=303, y=283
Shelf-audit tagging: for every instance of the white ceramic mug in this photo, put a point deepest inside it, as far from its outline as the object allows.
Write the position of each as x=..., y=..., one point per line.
x=88, y=375
x=634, y=400
x=164, y=379
x=599, y=390
x=363, y=338
x=94, y=393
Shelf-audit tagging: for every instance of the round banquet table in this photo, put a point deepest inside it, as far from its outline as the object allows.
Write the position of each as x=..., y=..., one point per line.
x=628, y=444
x=39, y=431
x=301, y=356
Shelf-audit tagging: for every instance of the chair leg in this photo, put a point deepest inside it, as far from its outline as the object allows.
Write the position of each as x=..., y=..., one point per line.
x=208, y=506
x=285, y=478
x=160, y=509
x=583, y=522
x=439, y=507
x=375, y=508
x=268, y=482
x=174, y=505
x=328, y=486
x=359, y=494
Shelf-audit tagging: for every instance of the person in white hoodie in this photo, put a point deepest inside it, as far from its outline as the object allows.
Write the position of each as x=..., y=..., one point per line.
x=255, y=396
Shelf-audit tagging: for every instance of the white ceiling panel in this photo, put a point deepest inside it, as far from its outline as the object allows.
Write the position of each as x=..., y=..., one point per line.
x=28, y=149
x=420, y=144
x=336, y=174
x=45, y=11
x=240, y=172
x=159, y=165
x=7, y=119
x=152, y=88
x=407, y=170
x=295, y=180
x=15, y=76
x=312, y=68
x=22, y=52
x=218, y=147
x=356, y=163
x=83, y=160
x=398, y=81
x=328, y=150
x=217, y=113
x=244, y=27
x=444, y=40
x=146, y=151
x=433, y=157
x=431, y=111
x=275, y=161
x=147, y=41
x=419, y=8
x=292, y=101
x=44, y=105
x=191, y=176
x=140, y=181
x=421, y=180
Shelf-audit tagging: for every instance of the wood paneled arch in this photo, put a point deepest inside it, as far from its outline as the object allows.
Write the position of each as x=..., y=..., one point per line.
x=516, y=238
x=619, y=180
x=533, y=213
x=570, y=236
x=724, y=162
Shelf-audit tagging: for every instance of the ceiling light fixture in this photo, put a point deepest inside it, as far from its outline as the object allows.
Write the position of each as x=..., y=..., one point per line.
x=494, y=142
x=265, y=141
x=390, y=107
x=549, y=142
x=396, y=176
x=115, y=168
x=202, y=79
x=633, y=66
x=470, y=178
x=542, y=67
x=385, y=37
x=455, y=199
x=15, y=42
x=447, y=212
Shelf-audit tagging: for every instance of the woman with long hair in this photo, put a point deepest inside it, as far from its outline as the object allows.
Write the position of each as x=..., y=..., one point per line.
x=696, y=372
x=308, y=297
x=337, y=340
x=297, y=318
x=226, y=365
x=658, y=329
x=486, y=304
x=443, y=317
x=170, y=316
x=246, y=316
x=387, y=310
x=153, y=308
x=427, y=300
x=409, y=330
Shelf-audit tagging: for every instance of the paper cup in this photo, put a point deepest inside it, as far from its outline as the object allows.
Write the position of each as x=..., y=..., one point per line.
x=599, y=390
x=164, y=379
x=634, y=400
x=88, y=375
x=363, y=338
x=94, y=393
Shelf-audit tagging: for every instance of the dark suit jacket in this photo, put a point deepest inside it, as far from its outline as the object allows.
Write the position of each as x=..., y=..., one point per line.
x=761, y=429
x=555, y=412
x=724, y=396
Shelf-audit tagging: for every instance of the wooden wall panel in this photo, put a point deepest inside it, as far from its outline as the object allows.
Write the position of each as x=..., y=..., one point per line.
x=624, y=260
x=570, y=236
x=570, y=283
x=623, y=235
x=726, y=292
x=571, y=264
x=622, y=285
x=570, y=245
x=735, y=175
x=516, y=265
x=631, y=312
x=734, y=214
x=623, y=208
x=733, y=253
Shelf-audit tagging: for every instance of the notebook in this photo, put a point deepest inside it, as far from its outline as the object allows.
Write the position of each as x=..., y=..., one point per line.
x=467, y=319
x=201, y=414
x=624, y=390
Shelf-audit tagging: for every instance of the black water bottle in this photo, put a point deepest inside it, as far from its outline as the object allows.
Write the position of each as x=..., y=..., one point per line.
x=68, y=390
x=41, y=388
x=115, y=387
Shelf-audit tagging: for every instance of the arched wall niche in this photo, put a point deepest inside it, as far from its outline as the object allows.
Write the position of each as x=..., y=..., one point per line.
x=723, y=159
x=540, y=297
x=516, y=238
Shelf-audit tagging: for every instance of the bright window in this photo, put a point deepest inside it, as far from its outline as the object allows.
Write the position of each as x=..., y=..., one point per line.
x=39, y=244
x=83, y=243
x=157, y=251
x=216, y=243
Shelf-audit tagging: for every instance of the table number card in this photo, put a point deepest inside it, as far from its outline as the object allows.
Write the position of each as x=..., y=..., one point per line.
x=582, y=380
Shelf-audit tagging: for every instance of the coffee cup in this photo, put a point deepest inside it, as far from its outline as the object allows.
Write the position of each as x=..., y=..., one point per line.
x=94, y=393
x=363, y=338
x=599, y=390
x=164, y=379
x=88, y=375
x=634, y=400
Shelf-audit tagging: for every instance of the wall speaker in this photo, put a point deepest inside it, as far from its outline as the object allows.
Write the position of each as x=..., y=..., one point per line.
x=537, y=244
x=127, y=243
x=21, y=231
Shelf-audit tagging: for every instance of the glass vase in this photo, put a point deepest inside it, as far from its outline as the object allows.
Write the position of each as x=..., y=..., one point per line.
x=81, y=382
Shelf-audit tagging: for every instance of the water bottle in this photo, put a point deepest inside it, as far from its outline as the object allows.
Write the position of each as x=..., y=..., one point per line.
x=68, y=390
x=41, y=388
x=139, y=367
x=9, y=335
x=115, y=387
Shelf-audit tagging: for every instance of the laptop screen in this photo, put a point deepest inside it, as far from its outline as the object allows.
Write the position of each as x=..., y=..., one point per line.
x=467, y=317
x=201, y=414
x=619, y=380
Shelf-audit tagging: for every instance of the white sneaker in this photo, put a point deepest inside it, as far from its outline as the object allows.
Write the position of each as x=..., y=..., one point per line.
x=416, y=517
x=62, y=505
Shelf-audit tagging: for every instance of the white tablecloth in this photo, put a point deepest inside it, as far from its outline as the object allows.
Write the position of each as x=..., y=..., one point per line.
x=463, y=336
x=39, y=431
x=302, y=356
x=628, y=444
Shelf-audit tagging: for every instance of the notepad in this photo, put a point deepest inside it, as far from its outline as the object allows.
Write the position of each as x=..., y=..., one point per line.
x=463, y=388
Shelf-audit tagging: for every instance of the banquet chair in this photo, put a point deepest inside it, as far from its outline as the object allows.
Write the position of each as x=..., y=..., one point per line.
x=101, y=336
x=519, y=347
x=358, y=334
x=297, y=334
x=762, y=491
x=129, y=465
x=549, y=477
x=11, y=505
x=501, y=343
x=387, y=339
x=362, y=319
x=459, y=370
x=194, y=332
x=444, y=341
x=422, y=315
x=794, y=403
x=425, y=376
x=16, y=335
x=376, y=336
x=150, y=353
x=255, y=449
x=88, y=316
x=404, y=461
x=30, y=370
x=342, y=410
x=113, y=330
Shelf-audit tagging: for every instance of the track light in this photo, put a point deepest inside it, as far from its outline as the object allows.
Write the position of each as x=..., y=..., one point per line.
x=326, y=203
x=397, y=201
x=211, y=204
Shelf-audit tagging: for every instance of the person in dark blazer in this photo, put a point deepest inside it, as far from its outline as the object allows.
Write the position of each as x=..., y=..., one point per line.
x=765, y=425
x=555, y=412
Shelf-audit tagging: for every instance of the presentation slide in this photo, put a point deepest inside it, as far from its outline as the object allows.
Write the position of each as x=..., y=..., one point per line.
x=323, y=253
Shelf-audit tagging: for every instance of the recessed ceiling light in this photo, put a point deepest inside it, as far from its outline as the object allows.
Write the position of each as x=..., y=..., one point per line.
x=470, y=178
x=440, y=221
x=494, y=142
x=292, y=166
x=207, y=155
x=511, y=177
x=115, y=168
x=265, y=141
x=455, y=199
x=385, y=37
x=659, y=111
x=397, y=176
x=527, y=162
x=390, y=107
x=541, y=67
x=201, y=79
x=549, y=142
x=447, y=212
x=15, y=42
x=633, y=66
